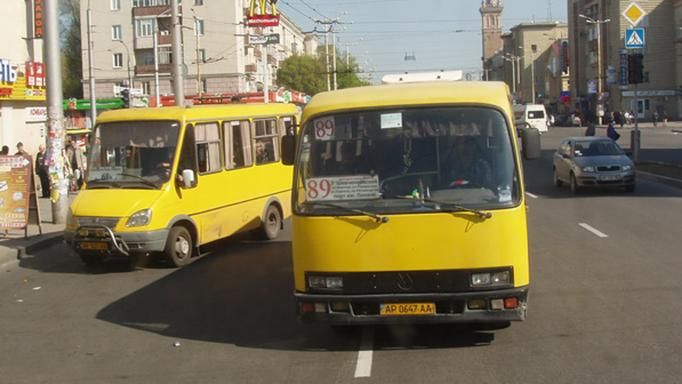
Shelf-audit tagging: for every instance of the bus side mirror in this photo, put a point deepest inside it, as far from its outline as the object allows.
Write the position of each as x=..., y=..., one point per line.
x=288, y=149
x=530, y=140
x=188, y=179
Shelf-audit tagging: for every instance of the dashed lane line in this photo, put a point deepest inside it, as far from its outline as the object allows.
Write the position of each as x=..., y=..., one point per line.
x=595, y=231
x=363, y=366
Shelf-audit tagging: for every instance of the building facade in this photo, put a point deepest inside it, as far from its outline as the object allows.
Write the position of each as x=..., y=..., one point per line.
x=217, y=56
x=23, y=106
x=533, y=62
x=660, y=92
x=491, y=31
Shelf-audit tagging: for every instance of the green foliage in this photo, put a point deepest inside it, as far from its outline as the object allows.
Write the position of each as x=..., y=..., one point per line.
x=302, y=73
x=70, y=44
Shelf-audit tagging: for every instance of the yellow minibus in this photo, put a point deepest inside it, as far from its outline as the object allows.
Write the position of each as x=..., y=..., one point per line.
x=169, y=180
x=408, y=205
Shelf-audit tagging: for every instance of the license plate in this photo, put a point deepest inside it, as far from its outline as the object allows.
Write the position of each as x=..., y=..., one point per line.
x=90, y=246
x=401, y=309
x=609, y=178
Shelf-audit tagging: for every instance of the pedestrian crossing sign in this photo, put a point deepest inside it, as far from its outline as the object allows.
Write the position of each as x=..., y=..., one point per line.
x=635, y=38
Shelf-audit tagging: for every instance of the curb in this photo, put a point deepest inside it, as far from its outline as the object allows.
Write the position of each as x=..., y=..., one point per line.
x=677, y=130
x=45, y=242
x=669, y=181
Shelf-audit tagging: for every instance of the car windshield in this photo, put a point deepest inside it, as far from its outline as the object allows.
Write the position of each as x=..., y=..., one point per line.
x=536, y=114
x=597, y=148
x=132, y=154
x=385, y=161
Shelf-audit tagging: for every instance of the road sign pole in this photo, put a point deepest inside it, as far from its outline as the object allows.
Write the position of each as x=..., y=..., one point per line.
x=635, y=135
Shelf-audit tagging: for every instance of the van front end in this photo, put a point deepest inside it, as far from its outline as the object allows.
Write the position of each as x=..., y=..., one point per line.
x=417, y=268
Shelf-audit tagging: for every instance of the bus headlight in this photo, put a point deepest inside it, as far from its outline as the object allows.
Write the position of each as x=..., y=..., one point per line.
x=325, y=282
x=139, y=218
x=490, y=279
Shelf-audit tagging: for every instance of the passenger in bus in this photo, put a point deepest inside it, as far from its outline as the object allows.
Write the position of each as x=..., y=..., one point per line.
x=466, y=167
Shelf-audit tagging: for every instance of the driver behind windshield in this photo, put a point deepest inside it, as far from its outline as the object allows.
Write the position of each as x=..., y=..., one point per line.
x=465, y=167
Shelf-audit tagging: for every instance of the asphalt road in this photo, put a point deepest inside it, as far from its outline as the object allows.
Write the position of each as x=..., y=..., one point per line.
x=604, y=308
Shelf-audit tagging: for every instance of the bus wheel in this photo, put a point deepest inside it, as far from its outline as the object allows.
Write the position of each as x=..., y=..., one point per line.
x=272, y=223
x=178, y=249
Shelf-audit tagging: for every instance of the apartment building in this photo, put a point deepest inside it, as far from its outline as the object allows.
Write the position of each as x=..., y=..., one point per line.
x=660, y=91
x=217, y=57
x=23, y=107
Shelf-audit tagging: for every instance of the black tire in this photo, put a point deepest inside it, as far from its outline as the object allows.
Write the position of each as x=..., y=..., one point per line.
x=557, y=182
x=272, y=223
x=491, y=326
x=575, y=189
x=630, y=188
x=91, y=260
x=179, y=246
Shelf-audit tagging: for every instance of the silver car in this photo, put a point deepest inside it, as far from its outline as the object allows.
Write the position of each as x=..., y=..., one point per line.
x=592, y=162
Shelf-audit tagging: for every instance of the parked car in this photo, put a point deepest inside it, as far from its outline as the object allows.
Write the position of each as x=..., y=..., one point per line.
x=592, y=162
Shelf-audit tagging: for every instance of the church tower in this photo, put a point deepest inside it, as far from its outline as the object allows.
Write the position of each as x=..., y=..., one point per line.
x=491, y=29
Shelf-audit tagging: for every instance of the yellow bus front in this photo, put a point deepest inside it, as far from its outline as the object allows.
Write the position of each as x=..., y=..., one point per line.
x=410, y=212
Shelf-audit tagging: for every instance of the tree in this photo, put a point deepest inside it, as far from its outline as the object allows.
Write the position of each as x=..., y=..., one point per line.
x=302, y=73
x=70, y=44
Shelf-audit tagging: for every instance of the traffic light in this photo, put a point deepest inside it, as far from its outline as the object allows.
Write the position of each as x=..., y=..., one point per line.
x=125, y=96
x=635, y=68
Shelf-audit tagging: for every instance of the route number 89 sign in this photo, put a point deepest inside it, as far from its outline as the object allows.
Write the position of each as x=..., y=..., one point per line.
x=324, y=128
x=358, y=187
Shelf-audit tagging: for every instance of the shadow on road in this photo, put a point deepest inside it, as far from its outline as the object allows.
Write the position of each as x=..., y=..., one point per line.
x=538, y=174
x=242, y=295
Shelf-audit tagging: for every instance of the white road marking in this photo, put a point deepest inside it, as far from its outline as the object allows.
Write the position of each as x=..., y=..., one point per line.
x=363, y=366
x=593, y=230
x=531, y=195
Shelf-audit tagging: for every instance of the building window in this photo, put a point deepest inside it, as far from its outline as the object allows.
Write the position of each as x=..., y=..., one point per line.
x=117, y=59
x=199, y=27
x=146, y=87
x=204, y=86
x=144, y=27
x=150, y=3
x=148, y=58
x=198, y=2
x=115, y=32
x=202, y=55
x=115, y=5
x=208, y=147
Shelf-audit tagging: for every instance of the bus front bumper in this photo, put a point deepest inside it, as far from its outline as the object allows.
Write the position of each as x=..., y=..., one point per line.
x=466, y=307
x=103, y=240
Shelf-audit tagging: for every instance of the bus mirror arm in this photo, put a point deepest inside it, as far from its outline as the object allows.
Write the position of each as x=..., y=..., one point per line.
x=288, y=149
x=187, y=178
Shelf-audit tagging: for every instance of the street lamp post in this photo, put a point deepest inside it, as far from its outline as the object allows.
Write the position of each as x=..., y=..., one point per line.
x=130, y=76
x=598, y=23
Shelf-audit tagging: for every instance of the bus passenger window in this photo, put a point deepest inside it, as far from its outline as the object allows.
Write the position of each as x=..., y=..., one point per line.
x=208, y=147
x=267, y=142
x=237, y=136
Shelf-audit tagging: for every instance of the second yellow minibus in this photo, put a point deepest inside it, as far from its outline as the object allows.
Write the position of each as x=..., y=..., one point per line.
x=408, y=205
x=168, y=180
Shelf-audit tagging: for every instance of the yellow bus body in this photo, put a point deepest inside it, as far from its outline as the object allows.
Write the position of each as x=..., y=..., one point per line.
x=222, y=203
x=408, y=247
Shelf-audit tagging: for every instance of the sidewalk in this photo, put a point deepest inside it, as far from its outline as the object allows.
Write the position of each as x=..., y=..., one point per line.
x=13, y=245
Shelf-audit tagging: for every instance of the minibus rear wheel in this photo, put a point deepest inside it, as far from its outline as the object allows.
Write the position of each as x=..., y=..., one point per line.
x=178, y=249
x=272, y=223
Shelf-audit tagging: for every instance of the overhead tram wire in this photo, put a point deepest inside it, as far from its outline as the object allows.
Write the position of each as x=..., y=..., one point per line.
x=297, y=10
x=313, y=8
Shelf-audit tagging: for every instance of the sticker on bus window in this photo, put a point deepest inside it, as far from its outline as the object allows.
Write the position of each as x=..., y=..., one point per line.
x=359, y=187
x=324, y=128
x=391, y=120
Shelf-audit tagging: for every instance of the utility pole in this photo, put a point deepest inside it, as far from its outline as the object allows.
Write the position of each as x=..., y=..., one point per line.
x=59, y=184
x=336, y=86
x=178, y=76
x=598, y=24
x=91, y=72
x=326, y=58
x=200, y=88
x=330, y=28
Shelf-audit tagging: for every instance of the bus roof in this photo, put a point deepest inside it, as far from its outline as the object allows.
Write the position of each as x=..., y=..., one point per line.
x=411, y=94
x=199, y=112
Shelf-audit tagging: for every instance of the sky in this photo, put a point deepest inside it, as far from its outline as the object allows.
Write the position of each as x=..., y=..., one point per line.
x=442, y=34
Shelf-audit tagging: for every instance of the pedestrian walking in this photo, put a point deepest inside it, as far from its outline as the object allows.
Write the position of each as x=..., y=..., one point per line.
x=590, y=131
x=42, y=172
x=612, y=133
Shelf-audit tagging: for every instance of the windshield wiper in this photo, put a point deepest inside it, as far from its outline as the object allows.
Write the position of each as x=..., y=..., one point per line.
x=378, y=218
x=453, y=206
x=142, y=179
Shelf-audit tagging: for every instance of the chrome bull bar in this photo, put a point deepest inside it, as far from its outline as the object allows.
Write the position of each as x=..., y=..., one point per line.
x=118, y=243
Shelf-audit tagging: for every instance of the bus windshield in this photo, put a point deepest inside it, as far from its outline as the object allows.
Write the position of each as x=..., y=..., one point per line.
x=400, y=160
x=132, y=154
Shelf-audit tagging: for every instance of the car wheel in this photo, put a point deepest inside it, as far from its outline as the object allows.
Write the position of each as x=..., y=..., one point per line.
x=557, y=182
x=575, y=189
x=178, y=249
x=272, y=223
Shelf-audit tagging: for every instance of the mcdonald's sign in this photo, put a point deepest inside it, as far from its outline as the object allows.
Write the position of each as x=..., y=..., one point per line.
x=262, y=15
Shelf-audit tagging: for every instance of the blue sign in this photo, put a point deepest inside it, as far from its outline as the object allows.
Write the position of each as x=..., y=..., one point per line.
x=635, y=38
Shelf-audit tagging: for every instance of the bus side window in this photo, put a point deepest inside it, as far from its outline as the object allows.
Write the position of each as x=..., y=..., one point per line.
x=286, y=126
x=188, y=157
x=208, y=147
x=267, y=141
x=237, y=144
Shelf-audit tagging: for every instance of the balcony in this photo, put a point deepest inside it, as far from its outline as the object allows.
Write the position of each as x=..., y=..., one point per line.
x=272, y=60
x=155, y=10
x=148, y=69
x=250, y=68
x=147, y=42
